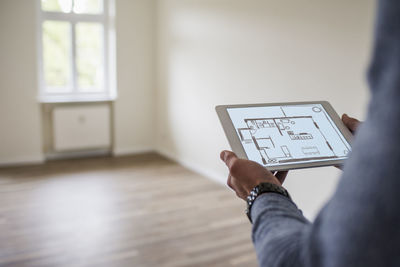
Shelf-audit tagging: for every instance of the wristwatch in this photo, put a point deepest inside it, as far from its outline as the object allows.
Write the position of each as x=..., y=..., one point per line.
x=260, y=189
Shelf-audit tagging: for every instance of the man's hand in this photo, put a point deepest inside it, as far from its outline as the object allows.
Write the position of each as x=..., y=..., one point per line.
x=351, y=123
x=244, y=174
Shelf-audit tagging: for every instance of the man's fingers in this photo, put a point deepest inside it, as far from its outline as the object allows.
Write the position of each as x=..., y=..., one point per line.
x=340, y=167
x=228, y=157
x=281, y=176
x=350, y=122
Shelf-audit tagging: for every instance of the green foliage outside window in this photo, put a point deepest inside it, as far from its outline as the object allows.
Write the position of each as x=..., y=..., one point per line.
x=58, y=47
x=56, y=53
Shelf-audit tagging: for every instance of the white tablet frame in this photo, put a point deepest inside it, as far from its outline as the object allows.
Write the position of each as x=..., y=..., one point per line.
x=238, y=149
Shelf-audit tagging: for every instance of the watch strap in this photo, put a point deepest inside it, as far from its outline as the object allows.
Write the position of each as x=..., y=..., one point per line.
x=260, y=189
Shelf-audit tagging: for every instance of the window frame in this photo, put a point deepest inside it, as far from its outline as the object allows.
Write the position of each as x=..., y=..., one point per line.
x=107, y=20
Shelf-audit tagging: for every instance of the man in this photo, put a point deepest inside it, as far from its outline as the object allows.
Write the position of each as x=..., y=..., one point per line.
x=360, y=225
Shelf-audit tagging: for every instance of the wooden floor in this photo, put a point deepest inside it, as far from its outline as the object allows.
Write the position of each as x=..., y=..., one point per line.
x=129, y=211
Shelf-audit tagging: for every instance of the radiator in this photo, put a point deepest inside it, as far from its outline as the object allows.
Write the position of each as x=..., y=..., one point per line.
x=81, y=127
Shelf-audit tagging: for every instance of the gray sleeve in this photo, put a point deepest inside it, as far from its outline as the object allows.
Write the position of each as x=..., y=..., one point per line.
x=277, y=228
x=360, y=225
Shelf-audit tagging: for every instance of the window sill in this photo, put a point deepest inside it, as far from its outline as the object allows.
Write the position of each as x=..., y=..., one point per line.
x=75, y=99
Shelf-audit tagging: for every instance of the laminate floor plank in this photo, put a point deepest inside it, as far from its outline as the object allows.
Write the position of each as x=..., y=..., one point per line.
x=140, y=210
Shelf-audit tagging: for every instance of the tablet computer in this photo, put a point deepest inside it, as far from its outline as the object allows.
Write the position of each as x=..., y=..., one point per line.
x=283, y=136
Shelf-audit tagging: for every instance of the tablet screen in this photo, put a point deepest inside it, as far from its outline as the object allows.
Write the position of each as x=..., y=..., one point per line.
x=288, y=134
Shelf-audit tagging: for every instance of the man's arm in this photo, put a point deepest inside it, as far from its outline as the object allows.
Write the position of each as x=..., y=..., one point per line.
x=276, y=219
x=360, y=224
x=278, y=228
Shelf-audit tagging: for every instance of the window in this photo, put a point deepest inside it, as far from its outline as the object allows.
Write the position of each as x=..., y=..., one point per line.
x=76, y=50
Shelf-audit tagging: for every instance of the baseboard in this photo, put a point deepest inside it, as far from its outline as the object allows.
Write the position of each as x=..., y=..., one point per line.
x=132, y=151
x=191, y=165
x=117, y=152
x=20, y=161
x=78, y=154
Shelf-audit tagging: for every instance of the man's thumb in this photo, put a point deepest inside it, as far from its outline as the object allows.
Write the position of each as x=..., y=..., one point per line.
x=228, y=157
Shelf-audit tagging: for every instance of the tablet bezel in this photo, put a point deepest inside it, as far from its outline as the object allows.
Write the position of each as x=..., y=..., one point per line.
x=238, y=149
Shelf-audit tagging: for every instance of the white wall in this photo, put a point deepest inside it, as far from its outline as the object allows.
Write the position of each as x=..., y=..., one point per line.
x=134, y=109
x=250, y=51
x=20, y=130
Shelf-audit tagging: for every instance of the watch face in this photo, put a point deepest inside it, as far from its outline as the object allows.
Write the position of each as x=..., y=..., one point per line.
x=268, y=187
